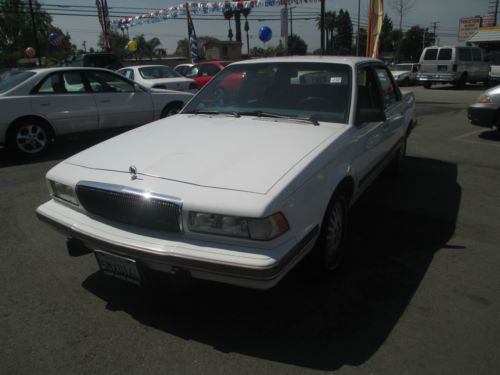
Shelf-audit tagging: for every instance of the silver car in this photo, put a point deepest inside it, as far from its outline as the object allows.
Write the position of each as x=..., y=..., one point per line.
x=158, y=77
x=486, y=111
x=39, y=105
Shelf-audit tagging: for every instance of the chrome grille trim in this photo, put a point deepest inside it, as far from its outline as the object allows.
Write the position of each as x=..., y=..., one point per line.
x=125, y=192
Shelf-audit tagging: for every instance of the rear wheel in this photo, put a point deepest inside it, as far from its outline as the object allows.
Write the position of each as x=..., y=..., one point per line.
x=29, y=138
x=171, y=109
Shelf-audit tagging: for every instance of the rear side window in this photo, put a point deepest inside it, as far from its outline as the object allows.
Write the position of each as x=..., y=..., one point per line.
x=431, y=54
x=476, y=54
x=464, y=54
x=388, y=89
x=444, y=54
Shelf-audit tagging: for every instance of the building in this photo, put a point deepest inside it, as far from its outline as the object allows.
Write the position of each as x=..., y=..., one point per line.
x=223, y=50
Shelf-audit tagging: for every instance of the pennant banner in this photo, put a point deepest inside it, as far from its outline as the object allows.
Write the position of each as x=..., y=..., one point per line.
x=375, y=20
x=200, y=8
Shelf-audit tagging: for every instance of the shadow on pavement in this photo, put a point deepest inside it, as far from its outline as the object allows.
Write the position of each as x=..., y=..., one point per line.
x=396, y=228
x=490, y=135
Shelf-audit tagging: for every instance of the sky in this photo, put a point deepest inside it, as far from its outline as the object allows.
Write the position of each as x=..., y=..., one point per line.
x=446, y=12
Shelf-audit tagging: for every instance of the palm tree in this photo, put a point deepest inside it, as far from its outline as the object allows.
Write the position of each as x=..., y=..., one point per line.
x=330, y=26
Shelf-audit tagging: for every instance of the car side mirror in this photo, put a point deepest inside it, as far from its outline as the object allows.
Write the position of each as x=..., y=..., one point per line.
x=370, y=115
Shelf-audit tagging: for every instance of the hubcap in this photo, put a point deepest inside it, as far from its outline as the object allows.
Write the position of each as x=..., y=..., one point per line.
x=334, y=234
x=31, y=139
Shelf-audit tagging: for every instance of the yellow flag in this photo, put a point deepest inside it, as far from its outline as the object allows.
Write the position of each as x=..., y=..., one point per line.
x=375, y=20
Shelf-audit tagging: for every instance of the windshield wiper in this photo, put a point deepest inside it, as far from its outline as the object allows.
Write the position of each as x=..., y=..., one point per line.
x=311, y=119
x=203, y=112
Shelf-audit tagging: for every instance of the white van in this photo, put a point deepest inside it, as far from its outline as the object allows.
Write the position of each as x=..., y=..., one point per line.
x=457, y=65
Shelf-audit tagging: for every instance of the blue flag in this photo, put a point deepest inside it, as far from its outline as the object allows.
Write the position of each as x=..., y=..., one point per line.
x=193, y=42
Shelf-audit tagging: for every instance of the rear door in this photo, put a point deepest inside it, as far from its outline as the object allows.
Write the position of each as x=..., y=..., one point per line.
x=119, y=104
x=65, y=100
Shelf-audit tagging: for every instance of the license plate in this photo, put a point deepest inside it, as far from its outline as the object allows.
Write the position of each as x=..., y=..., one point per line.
x=442, y=68
x=119, y=267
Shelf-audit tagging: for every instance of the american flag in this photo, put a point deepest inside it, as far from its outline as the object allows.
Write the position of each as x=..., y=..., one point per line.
x=193, y=42
x=103, y=14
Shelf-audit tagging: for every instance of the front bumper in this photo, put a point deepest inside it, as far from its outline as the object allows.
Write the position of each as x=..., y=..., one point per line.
x=437, y=77
x=242, y=266
x=483, y=115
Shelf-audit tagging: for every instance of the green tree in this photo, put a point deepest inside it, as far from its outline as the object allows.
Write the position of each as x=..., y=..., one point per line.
x=146, y=48
x=412, y=43
x=117, y=41
x=343, y=38
x=388, y=38
x=16, y=33
x=183, y=46
x=330, y=27
x=296, y=45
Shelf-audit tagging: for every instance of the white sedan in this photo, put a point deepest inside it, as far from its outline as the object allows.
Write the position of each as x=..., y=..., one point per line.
x=158, y=77
x=258, y=170
x=39, y=105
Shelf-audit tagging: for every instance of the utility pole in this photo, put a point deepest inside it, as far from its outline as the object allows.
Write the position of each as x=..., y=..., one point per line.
x=286, y=24
x=291, y=20
x=33, y=25
x=496, y=11
x=435, y=26
x=423, y=40
x=84, y=45
x=322, y=24
x=357, y=35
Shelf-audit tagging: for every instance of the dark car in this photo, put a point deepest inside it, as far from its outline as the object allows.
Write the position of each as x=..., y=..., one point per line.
x=97, y=60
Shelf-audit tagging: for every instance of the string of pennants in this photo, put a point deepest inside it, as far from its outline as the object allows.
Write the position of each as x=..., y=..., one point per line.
x=197, y=8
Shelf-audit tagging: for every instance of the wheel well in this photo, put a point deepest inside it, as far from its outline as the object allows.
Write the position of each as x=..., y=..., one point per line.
x=174, y=103
x=346, y=186
x=31, y=118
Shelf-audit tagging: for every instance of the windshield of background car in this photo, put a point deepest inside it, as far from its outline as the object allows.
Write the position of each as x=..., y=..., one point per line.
x=156, y=72
x=303, y=90
x=13, y=80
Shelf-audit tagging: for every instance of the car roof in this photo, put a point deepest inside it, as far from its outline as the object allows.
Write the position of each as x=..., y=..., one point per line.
x=66, y=68
x=349, y=60
x=146, y=66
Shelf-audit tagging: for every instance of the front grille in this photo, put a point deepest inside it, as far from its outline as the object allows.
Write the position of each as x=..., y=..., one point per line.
x=130, y=208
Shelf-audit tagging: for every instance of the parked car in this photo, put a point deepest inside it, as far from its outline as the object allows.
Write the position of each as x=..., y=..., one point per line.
x=39, y=105
x=158, y=77
x=182, y=68
x=457, y=65
x=486, y=111
x=404, y=74
x=238, y=188
x=205, y=71
x=97, y=60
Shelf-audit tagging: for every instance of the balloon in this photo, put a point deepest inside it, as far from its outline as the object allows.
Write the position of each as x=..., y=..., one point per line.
x=132, y=46
x=53, y=37
x=265, y=34
x=30, y=52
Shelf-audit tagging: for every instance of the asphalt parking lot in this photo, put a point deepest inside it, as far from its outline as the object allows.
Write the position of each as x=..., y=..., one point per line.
x=419, y=292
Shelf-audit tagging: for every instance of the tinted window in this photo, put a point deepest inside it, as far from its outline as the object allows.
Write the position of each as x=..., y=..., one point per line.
x=431, y=54
x=445, y=54
x=193, y=71
x=476, y=54
x=464, y=54
x=108, y=82
x=208, y=70
x=156, y=72
x=14, y=79
x=62, y=83
x=129, y=73
x=368, y=91
x=288, y=89
x=389, y=91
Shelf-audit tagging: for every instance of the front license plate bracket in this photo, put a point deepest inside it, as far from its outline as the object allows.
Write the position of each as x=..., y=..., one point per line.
x=119, y=267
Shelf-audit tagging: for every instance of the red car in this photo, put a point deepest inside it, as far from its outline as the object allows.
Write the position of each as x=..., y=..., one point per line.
x=205, y=71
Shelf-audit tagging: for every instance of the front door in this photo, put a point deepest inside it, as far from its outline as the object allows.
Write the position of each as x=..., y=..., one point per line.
x=66, y=102
x=119, y=103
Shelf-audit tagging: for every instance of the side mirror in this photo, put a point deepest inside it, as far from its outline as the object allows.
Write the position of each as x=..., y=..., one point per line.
x=370, y=115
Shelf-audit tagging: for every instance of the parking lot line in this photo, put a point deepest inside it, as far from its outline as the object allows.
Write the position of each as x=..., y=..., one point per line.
x=468, y=134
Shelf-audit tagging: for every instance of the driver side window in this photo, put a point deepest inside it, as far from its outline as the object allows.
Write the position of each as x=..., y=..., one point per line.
x=368, y=92
x=108, y=82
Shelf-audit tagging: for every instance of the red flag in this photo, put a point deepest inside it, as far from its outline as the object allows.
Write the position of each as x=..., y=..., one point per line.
x=375, y=20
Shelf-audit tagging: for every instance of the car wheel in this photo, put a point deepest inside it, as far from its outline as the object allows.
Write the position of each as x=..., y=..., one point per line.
x=29, y=138
x=171, y=109
x=330, y=246
x=427, y=85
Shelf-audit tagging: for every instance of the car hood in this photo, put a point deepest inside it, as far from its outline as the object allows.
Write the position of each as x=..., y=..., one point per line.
x=245, y=154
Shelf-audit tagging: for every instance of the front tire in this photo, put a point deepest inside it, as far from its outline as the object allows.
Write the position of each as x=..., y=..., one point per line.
x=171, y=109
x=331, y=243
x=29, y=138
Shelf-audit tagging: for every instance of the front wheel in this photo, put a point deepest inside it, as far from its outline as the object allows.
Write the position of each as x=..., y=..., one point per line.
x=29, y=138
x=171, y=109
x=330, y=247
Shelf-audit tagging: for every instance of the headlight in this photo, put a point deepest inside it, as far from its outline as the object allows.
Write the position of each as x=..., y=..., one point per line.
x=485, y=100
x=234, y=226
x=64, y=192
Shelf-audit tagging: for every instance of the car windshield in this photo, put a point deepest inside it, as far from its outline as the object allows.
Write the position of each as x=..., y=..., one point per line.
x=400, y=67
x=315, y=91
x=13, y=80
x=156, y=72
